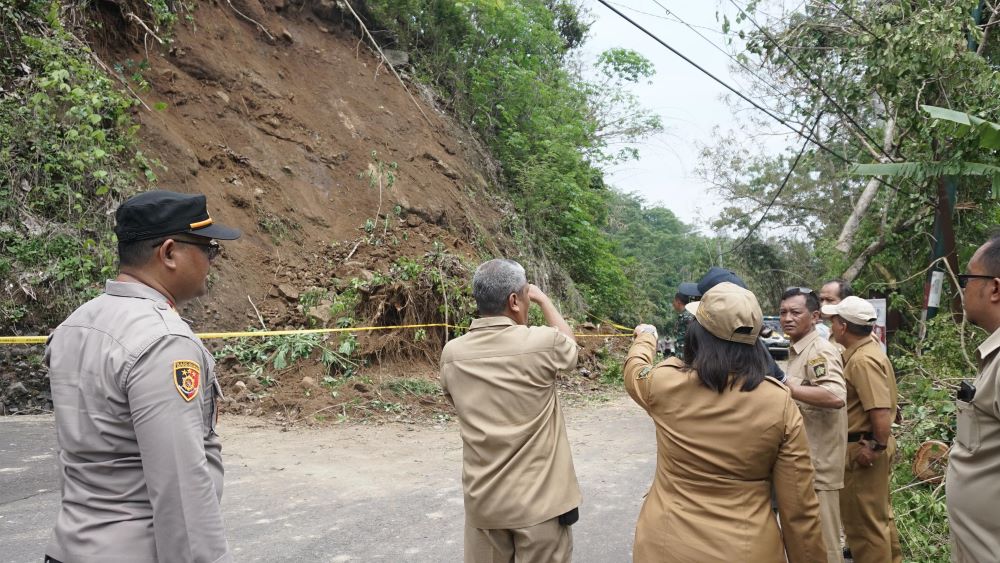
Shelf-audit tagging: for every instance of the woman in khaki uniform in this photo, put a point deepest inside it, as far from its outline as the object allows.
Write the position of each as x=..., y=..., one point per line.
x=725, y=434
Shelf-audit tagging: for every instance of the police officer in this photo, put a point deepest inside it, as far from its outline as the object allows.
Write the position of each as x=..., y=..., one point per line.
x=871, y=406
x=973, y=486
x=135, y=399
x=816, y=379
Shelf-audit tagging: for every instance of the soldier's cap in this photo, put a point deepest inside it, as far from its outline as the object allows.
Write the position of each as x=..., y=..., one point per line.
x=853, y=309
x=717, y=275
x=690, y=289
x=729, y=312
x=160, y=213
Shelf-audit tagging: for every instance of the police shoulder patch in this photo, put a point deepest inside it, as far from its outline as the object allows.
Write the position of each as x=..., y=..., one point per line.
x=187, y=378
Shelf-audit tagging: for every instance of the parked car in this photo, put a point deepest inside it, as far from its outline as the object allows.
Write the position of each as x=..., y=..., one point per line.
x=776, y=341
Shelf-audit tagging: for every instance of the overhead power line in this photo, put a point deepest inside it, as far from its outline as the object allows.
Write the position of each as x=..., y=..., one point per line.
x=750, y=71
x=741, y=95
x=781, y=187
x=816, y=84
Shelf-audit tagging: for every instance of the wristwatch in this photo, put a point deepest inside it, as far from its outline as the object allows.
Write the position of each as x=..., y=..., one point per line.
x=876, y=447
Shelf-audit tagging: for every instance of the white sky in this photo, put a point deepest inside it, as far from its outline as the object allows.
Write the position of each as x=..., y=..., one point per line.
x=689, y=102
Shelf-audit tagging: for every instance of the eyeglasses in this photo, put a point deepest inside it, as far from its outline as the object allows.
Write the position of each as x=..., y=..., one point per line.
x=963, y=279
x=802, y=290
x=211, y=249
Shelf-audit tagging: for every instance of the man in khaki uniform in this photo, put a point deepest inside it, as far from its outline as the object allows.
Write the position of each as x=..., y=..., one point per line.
x=135, y=400
x=521, y=492
x=871, y=407
x=973, y=484
x=816, y=379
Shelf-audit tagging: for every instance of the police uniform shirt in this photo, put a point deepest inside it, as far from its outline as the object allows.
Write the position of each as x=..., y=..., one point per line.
x=517, y=466
x=718, y=455
x=141, y=466
x=871, y=383
x=973, y=484
x=814, y=361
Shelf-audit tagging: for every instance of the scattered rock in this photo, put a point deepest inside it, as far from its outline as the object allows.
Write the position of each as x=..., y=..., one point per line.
x=289, y=292
x=286, y=169
x=240, y=386
x=442, y=167
x=586, y=373
x=308, y=382
x=17, y=392
x=588, y=326
x=396, y=57
x=222, y=96
x=361, y=388
x=287, y=35
x=273, y=292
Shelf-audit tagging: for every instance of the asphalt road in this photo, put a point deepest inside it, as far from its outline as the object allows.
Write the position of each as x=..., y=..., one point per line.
x=352, y=493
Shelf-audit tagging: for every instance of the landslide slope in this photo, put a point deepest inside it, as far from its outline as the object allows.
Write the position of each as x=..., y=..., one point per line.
x=361, y=202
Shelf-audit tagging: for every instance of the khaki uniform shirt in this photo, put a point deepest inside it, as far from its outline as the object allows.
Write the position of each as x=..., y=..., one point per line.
x=141, y=465
x=973, y=484
x=718, y=456
x=517, y=466
x=815, y=361
x=871, y=383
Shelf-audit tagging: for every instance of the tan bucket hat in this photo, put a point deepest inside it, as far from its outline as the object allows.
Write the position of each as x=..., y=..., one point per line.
x=729, y=312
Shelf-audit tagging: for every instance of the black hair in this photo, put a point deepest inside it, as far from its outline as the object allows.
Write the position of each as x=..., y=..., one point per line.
x=843, y=288
x=137, y=253
x=812, y=301
x=684, y=299
x=856, y=329
x=720, y=363
x=990, y=257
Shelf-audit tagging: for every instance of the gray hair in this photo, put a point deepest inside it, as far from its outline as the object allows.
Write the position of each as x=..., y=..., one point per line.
x=494, y=281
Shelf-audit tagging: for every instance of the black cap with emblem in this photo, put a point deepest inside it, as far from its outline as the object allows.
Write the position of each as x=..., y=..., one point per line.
x=160, y=213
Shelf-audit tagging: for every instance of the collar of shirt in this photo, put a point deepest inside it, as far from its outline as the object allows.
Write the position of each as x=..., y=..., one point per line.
x=138, y=290
x=990, y=345
x=850, y=350
x=489, y=322
x=801, y=344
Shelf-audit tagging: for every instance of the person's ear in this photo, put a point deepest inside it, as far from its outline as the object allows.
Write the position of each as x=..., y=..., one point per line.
x=514, y=302
x=166, y=253
x=995, y=290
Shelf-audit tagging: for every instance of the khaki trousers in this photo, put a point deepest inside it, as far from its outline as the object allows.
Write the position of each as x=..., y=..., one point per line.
x=865, y=509
x=829, y=521
x=548, y=542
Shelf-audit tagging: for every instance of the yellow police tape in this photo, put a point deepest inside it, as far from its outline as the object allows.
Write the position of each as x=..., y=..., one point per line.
x=8, y=340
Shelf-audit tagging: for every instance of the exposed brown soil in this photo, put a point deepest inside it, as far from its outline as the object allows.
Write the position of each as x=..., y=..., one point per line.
x=286, y=126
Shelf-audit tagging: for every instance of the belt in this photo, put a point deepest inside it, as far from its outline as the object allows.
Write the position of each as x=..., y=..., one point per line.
x=858, y=436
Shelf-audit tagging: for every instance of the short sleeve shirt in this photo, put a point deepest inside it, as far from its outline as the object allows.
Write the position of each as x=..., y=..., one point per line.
x=517, y=466
x=973, y=487
x=814, y=361
x=871, y=383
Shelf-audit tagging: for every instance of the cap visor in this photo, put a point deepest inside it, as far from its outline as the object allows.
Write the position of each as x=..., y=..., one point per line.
x=217, y=231
x=828, y=309
x=692, y=307
x=690, y=289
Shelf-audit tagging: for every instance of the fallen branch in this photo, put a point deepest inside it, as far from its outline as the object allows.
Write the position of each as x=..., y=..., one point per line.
x=259, y=25
x=387, y=63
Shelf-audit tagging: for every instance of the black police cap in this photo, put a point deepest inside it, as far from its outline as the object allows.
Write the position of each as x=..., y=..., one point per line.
x=717, y=275
x=160, y=213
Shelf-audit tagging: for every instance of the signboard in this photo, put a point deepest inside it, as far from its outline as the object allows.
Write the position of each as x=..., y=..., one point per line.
x=881, y=308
